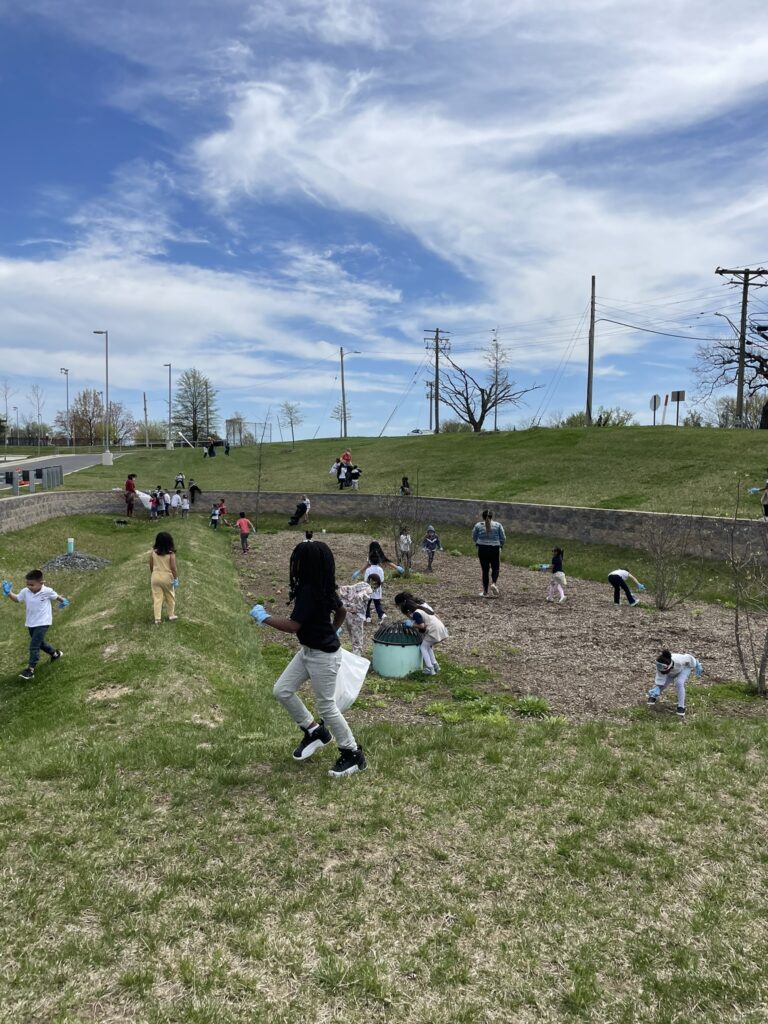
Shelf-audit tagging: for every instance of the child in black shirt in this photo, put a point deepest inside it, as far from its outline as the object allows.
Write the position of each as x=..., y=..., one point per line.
x=313, y=590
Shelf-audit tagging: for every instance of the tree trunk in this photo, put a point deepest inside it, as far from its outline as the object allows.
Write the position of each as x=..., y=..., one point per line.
x=764, y=418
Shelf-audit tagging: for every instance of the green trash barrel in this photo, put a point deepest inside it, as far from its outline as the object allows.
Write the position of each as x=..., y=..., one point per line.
x=396, y=650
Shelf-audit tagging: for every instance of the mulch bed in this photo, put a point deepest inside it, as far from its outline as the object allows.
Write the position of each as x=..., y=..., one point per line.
x=587, y=658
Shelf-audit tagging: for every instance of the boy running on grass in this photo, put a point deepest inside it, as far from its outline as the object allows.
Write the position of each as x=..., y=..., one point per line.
x=36, y=598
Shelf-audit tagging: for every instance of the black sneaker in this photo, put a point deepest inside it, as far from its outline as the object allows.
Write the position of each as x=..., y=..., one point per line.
x=681, y=712
x=652, y=701
x=349, y=762
x=27, y=673
x=312, y=741
x=56, y=655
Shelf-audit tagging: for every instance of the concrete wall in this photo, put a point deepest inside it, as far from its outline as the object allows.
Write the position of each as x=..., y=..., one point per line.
x=706, y=535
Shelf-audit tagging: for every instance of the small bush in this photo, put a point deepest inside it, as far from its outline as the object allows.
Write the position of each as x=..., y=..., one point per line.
x=532, y=707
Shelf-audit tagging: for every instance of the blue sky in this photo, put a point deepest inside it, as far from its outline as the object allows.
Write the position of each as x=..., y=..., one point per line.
x=246, y=187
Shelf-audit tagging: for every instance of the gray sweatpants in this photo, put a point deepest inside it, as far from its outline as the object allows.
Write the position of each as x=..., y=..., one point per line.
x=321, y=669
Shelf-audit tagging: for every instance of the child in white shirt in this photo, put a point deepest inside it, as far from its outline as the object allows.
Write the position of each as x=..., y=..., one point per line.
x=673, y=668
x=405, y=547
x=36, y=598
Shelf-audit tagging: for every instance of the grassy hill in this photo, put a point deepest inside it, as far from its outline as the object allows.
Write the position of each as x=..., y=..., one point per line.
x=166, y=862
x=663, y=468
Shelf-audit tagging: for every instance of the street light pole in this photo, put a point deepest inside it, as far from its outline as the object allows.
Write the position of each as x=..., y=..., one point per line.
x=343, y=391
x=65, y=371
x=106, y=458
x=16, y=410
x=169, y=442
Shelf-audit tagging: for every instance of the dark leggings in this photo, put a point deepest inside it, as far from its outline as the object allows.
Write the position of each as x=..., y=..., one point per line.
x=38, y=642
x=376, y=602
x=619, y=583
x=489, y=559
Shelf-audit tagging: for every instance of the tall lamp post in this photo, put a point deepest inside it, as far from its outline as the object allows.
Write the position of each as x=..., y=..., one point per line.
x=169, y=442
x=16, y=410
x=65, y=371
x=342, y=353
x=106, y=458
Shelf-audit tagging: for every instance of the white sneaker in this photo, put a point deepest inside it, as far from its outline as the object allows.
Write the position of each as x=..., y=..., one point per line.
x=561, y=599
x=482, y=594
x=550, y=599
x=494, y=590
x=382, y=618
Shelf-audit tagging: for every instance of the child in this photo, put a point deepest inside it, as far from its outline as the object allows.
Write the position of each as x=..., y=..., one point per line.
x=215, y=516
x=163, y=577
x=36, y=598
x=405, y=488
x=374, y=576
x=675, y=667
x=355, y=598
x=185, y=506
x=404, y=547
x=175, y=503
x=179, y=482
x=167, y=503
x=431, y=544
x=246, y=527
x=557, y=582
x=354, y=477
x=223, y=512
x=424, y=619
x=317, y=614
x=153, y=504
x=618, y=580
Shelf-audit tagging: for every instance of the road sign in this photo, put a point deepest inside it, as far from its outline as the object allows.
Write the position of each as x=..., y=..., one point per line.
x=655, y=403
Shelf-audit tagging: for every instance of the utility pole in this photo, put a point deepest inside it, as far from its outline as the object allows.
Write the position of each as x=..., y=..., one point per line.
x=430, y=393
x=343, y=424
x=440, y=343
x=496, y=356
x=745, y=276
x=591, y=356
x=146, y=423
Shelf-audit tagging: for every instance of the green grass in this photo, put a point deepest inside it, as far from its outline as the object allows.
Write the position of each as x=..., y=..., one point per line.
x=166, y=862
x=663, y=468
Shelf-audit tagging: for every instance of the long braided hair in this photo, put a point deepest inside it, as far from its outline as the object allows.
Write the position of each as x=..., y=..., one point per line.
x=312, y=565
x=408, y=604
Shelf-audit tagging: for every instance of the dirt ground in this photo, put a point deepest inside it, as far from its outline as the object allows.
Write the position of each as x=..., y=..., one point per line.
x=587, y=658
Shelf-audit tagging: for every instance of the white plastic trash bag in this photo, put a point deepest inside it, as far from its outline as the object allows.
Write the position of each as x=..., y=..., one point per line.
x=349, y=681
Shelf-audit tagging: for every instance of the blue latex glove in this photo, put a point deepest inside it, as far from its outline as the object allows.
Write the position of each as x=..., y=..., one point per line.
x=356, y=574
x=260, y=613
x=640, y=586
x=410, y=622
x=175, y=584
x=338, y=631
x=63, y=602
x=544, y=565
x=654, y=691
x=755, y=490
x=698, y=670
x=399, y=570
x=7, y=588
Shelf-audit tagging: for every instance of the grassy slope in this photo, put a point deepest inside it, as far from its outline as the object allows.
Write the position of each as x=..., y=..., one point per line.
x=166, y=861
x=667, y=469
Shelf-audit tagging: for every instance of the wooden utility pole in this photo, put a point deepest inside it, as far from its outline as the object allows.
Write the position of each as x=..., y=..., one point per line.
x=591, y=356
x=440, y=343
x=745, y=276
x=430, y=397
x=146, y=423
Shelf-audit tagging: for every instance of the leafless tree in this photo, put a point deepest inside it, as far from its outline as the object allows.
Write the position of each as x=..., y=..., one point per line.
x=290, y=413
x=749, y=570
x=473, y=401
x=717, y=367
x=676, y=572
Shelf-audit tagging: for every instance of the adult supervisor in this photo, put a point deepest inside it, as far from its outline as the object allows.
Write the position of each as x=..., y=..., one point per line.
x=490, y=538
x=129, y=493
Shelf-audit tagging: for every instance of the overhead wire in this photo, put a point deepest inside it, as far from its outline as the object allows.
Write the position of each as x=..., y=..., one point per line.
x=557, y=376
x=408, y=390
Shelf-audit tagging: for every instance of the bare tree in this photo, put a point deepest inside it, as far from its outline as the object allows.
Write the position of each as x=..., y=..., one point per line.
x=338, y=414
x=36, y=398
x=470, y=400
x=717, y=366
x=235, y=428
x=6, y=392
x=291, y=414
x=749, y=569
x=671, y=544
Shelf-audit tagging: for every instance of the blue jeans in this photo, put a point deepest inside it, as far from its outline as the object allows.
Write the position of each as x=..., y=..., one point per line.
x=37, y=643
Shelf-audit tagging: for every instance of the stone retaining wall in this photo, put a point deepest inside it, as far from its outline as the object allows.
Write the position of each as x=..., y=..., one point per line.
x=707, y=535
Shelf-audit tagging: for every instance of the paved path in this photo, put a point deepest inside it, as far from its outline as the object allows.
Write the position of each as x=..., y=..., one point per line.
x=69, y=463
